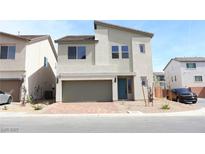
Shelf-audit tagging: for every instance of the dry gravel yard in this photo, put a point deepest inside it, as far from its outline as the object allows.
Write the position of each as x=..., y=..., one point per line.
x=156, y=108
x=28, y=108
x=102, y=107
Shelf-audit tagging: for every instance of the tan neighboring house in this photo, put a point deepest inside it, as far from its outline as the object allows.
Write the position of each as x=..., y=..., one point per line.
x=187, y=72
x=27, y=61
x=110, y=65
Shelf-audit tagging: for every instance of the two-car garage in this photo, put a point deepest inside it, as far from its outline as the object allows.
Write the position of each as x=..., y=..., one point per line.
x=87, y=91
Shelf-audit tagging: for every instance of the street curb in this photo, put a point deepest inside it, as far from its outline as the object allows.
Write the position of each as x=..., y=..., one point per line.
x=199, y=112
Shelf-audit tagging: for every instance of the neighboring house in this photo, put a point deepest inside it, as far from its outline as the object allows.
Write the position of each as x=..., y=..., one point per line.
x=108, y=66
x=27, y=62
x=159, y=84
x=186, y=72
x=159, y=79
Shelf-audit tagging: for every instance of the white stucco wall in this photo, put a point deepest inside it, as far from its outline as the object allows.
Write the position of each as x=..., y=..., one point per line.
x=189, y=74
x=38, y=77
x=172, y=70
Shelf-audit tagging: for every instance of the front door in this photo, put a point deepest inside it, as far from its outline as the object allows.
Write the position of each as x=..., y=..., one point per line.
x=122, y=88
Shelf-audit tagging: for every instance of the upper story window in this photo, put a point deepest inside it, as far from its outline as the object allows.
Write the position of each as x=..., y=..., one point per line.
x=190, y=65
x=160, y=78
x=7, y=52
x=77, y=52
x=115, y=52
x=125, y=52
x=45, y=62
x=142, y=48
x=198, y=78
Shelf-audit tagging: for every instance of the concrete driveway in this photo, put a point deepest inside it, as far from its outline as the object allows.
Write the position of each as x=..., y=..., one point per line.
x=201, y=102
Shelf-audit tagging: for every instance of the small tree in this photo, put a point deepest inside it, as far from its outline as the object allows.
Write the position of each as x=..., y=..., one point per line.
x=23, y=98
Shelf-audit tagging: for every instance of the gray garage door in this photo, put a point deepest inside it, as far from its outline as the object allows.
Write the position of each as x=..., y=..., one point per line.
x=84, y=91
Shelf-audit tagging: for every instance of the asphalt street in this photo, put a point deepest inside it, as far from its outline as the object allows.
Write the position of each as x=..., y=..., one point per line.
x=103, y=124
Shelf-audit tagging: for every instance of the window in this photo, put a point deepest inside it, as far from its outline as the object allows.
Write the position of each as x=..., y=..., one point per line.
x=77, y=52
x=198, y=78
x=172, y=79
x=115, y=52
x=81, y=52
x=45, y=62
x=144, y=80
x=71, y=52
x=162, y=84
x=129, y=83
x=160, y=78
x=142, y=48
x=125, y=52
x=190, y=65
x=175, y=78
x=7, y=52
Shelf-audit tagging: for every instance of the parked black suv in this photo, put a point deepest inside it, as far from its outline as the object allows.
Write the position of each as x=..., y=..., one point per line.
x=184, y=95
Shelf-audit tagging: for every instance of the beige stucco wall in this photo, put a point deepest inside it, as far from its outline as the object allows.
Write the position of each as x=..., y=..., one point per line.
x=13, y=68
x=138, y=64
x=39, y=78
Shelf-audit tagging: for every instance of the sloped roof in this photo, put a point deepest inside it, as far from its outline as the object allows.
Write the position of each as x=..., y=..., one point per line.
x=190, y=59
x=158, y=73
x=96, y=22
x=14, y=36
x=30, y=37
x=77, y=38
x=186, y=59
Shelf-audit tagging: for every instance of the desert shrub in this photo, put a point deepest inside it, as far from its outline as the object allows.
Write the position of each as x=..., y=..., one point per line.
x=5, y=108
x=165, y=107
x=37, y=107
x=30, y=99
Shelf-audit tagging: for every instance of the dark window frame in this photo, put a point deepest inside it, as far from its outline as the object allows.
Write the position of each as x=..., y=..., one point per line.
x=115, y=53
x=189, y=64
x=8, y=53
x=76, y=53
x=196, y=80
x=125, y=52
x=142, y=48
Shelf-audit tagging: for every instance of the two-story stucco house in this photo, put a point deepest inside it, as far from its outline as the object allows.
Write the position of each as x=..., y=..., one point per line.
x=186, y=72
x=27, y=61
x=108, y=66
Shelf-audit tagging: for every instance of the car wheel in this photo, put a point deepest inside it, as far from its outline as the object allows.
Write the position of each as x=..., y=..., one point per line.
x=194, y=102
x=9, y=100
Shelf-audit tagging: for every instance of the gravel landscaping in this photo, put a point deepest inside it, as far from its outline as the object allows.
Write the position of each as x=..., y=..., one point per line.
x=102, y=107
x=126, y=106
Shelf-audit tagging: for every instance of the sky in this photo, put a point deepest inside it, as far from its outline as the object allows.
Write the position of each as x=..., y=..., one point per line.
x=171, y=38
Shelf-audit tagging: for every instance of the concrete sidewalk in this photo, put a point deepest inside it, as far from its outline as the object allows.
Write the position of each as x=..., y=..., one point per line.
x=199, y=112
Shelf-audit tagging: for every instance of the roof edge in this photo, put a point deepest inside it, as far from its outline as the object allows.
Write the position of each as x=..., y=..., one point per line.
x=15, y=36
x=97, y=22
x=168, y=63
